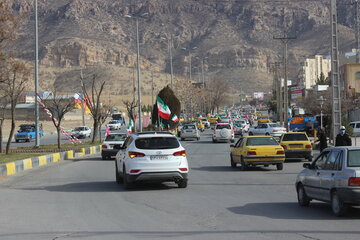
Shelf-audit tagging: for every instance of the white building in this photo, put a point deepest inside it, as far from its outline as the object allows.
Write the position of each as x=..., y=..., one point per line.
x=312, y=69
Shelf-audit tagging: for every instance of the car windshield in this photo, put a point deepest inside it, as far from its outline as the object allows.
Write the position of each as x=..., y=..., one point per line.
x=26, y=129
x=261, y=141
x=295, y=137
x=237, y=124
x=189, y=127
x=274, y=125
x=227, y=126
x=354, y=158
x=157, y=143
x=79, y=129
x=115, y=137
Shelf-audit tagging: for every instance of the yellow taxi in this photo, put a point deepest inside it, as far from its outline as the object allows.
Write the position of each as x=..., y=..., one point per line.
x=200, y=125
x=263, y=120
x=257, y=150
x=296, y=145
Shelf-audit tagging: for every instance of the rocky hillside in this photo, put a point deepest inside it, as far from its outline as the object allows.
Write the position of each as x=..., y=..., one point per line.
x=234, y=37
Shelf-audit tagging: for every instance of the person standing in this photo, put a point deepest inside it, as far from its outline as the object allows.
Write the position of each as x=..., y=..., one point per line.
x=342, y=139
x=322, y=139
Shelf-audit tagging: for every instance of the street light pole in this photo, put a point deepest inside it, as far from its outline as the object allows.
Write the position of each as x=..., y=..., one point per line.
x=37, y=135
x=171, y=60
x=138, y=73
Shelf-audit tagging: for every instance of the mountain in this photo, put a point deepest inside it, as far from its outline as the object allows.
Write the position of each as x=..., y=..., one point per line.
x=235, y=38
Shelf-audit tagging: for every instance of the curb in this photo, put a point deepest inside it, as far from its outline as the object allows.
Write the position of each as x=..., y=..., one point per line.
x=12, y=168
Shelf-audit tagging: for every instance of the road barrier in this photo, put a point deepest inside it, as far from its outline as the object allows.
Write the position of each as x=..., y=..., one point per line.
x=12, y=168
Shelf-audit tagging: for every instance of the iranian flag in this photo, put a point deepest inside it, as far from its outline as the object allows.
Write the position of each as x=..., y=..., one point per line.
x=175, y=118
x=130, y=126
x=163, y=110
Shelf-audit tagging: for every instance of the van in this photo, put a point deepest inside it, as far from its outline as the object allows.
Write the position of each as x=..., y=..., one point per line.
x=356, y=127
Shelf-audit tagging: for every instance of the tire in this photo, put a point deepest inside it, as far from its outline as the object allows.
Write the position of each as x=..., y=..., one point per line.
x=267, y=134
x=103, y=157
x=303, y=199
x=337, y=206
x=126, y=184
x=232, y=163
x=251, y=134
x=182, y=183
x=243, y=167
x=232, y=140
x=17, y=140
x=279, y=166
x=198, y=139
x=214, y=141
x=182, y=139
x=310, y=159
x=118, y=179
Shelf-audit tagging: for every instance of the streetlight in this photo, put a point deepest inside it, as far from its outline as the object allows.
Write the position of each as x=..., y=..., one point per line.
x=136, y=17
x=170, y=46
x=321, y=100
x=37, y=135
x=189, y=49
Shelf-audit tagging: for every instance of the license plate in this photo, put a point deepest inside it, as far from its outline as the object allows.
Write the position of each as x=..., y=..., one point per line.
x=295, y=146
x=158, y=157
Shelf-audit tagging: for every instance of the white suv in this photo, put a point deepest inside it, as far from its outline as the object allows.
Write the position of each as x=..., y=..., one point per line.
x=151, y=157
x=223, y=132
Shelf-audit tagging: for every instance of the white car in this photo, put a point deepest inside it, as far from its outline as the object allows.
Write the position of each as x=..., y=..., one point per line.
x=272, y=129
x=190, y=131
x=245, y=124
x=107, y=147
x=114, y=125
x=151, y=157
x=223, y=132
x=81, y=132
x=206, y=122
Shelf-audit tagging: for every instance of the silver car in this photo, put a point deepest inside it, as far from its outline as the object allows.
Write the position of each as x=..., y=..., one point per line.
x=190, y=131
x=334, y=177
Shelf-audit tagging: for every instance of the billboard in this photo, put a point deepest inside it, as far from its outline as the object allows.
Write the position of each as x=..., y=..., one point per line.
x=258, y=95
x=297, y=92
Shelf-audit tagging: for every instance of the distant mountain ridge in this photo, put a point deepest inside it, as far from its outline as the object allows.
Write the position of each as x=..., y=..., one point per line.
x=235, y=38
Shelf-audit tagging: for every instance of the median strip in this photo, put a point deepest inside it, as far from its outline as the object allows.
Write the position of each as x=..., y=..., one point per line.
x=12, y=168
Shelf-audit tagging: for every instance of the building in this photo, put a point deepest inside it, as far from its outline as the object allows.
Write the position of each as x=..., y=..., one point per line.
x=350, y=79
x=312, y=69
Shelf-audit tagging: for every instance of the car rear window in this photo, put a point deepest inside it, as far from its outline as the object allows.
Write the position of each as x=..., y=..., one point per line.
x=189, y=127
x=295, y=137
x=354, y=158
x=115, y=137
x=261, y=141
x=157, y=143
x=223, y=126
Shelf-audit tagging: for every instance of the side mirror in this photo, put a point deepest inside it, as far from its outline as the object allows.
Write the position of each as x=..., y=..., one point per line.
x=232, y=145
x=307, y=165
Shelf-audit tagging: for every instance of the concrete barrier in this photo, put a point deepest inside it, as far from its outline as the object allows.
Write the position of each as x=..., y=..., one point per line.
x=12, y=168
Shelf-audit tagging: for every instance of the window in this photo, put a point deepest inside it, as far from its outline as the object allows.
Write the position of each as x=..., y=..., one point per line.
x=295, y=137
x=358, y=125
x=321, y=160
x=332, y=161
x=223, y=126
x=157, y=143
x=357, y=75
x=115, y=137
x=260, y=141
x=239, y=142
x=354, y=158
x=189, y=127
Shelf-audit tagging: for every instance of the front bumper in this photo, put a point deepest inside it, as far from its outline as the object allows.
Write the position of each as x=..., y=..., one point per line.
x=298, y=154
x=349, y=195
x=158, y=177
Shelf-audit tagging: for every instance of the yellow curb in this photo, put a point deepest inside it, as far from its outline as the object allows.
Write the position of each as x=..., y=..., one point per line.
x=42, y=160
x=27, y=164
x=10, y=168
x=56, y=157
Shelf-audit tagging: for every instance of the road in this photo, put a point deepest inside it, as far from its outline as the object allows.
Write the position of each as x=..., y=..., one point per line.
x=80, y=200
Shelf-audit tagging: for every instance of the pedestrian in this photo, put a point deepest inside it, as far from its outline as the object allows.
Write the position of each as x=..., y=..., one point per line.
x=309, y=127
x=322, y=139
x=342, y=139
x=107, y=131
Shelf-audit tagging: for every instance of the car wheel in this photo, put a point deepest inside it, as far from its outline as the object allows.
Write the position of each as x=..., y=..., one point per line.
x=198, y=138
x=267, y=134
x=310, y=159
x=182, y=139
x=279, y=166
x=232, y=140
x=303, y=199
x=243, y=167
x=233, y=164
x=126, y=183
x=103, y=157
x=337, y=206
x=182, y=183
x=117, y=176
x=251, y=134
x=17, y=141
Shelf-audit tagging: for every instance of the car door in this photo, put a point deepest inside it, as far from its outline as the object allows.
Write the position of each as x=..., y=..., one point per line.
x=123, y=153
x=257, y=130
x=330, y=175
x=237, y=150
x=312, y=183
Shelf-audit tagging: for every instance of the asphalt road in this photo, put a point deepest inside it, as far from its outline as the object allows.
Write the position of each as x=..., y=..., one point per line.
x=80, y=200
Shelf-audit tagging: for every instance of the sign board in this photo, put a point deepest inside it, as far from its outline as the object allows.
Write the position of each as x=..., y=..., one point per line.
x=258, y=95
x=296, y=92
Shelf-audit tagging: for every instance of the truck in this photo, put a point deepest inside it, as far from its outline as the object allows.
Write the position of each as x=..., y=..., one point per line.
x=27, y=132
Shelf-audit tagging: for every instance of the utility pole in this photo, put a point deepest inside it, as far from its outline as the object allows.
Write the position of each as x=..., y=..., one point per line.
x=278, y=94
x=152, y=87
x=82, y=101
x=357, y=31
x=285, y=40
x=37, y=135
x=335, y=78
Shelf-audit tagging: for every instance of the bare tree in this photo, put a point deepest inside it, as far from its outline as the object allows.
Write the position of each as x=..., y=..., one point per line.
x=2, y=119
x=92, y=98
x=105, y=112
x=218, y=90
x=130, y=108
x=58, y=106
x=15, y=79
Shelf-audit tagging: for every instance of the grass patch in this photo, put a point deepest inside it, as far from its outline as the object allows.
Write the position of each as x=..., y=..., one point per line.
x=43, y=150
